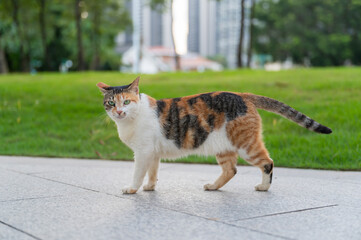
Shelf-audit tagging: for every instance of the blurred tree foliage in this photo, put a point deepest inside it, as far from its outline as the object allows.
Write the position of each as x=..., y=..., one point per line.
x=321, y=33
x=41, y=34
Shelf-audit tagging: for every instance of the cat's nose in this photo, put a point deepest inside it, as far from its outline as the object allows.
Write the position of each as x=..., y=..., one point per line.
x=119, y=112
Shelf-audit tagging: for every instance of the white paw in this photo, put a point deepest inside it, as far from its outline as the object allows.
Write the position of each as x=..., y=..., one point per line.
x=129, y=190
x=210, y=187
x=262, y=187
x=149, y=187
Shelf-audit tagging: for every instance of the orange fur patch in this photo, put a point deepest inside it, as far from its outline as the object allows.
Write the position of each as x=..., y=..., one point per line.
x=152, y=102
x=130, y=96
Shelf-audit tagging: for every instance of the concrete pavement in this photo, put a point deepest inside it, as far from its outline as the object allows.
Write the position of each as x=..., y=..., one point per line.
x=49, y=198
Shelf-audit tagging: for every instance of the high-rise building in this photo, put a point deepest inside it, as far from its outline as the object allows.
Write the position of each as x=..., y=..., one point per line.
x=202, y=27
x=194, y=18
x=214, y=28
x=155, y=28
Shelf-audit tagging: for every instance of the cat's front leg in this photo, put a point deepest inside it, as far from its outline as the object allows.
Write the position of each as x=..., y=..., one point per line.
x=141, y=166
x=152, y=175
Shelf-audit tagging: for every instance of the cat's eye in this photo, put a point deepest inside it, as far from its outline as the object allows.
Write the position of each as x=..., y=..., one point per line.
x=111, y=103
x=126, y=102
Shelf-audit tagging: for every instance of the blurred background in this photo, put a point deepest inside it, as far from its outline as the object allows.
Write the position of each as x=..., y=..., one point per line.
x=151, y=36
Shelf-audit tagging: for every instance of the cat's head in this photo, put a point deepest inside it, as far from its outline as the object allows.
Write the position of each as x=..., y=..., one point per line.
x=121, y=102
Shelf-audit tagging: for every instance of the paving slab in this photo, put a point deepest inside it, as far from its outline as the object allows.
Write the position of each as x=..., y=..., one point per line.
x=16, y=186
x=82, y=199
x=100, y=216
x=324, y=223
x=9, y=233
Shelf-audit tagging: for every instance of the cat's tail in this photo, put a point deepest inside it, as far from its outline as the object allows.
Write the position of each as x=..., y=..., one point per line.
x=288, y=112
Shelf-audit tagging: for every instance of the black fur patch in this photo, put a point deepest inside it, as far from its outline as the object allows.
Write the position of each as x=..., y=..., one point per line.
x=301, y=118
x=117, y=89
x=172, y=126
x=268, y=168
x=284, y=109
x=323, y=129
x=200, y=135
x=192, y=101
x=291, y=112
x=160, y=107
x=210, y=121
x=309, y=123
x=231, y=104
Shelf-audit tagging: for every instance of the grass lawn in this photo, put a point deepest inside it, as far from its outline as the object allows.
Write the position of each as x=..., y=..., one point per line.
x=61, y=115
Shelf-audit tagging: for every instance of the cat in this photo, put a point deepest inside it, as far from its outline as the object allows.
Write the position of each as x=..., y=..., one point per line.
x=222, y=124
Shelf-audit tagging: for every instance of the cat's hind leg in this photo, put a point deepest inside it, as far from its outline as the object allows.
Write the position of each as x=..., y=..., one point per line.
x=245, y=133
x=152, y=176
x=228, y=162
x=257, y=155
x=267, y=171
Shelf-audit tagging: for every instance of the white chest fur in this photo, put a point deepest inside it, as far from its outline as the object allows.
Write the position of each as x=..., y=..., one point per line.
x=139, y=132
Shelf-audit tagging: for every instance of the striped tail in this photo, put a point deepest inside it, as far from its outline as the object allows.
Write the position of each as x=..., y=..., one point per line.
x=288, y=112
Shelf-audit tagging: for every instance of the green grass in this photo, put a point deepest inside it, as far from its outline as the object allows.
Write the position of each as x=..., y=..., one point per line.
x=61, y=115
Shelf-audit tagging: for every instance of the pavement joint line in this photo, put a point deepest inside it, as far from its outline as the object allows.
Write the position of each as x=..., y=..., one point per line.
x=51, y=180
x=173, y=210
x=19, y=230
x=34, y=173
x=32, y=198
x=205, y=218
x=69, y=184
x=282, y=213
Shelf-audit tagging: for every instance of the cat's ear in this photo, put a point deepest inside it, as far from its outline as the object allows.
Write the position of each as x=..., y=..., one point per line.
x=134, y=86
x=102, y=87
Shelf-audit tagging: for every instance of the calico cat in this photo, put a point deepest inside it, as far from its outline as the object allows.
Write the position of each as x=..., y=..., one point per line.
x=224, y=124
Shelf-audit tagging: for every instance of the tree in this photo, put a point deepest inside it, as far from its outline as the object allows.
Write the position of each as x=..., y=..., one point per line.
x=43, y=31
x=4, y=27
x=323, y=33
x=79, y=39
x=106, y=19
x=3, y=62
x=95, y=62
x=41, y=34
x=241, y=33
x=176, y=55
x=20, y=38
x=249, y=51
x=15, y=15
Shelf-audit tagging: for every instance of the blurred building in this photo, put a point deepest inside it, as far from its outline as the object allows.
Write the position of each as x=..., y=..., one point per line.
x=155, y=28
x=214, y=28
x=161, y=59
x=202, y=27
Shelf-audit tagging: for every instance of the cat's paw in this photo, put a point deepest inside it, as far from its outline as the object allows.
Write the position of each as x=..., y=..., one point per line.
x=129, y=190
x=149, y=187
x=210, y=187
x=262, y=187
